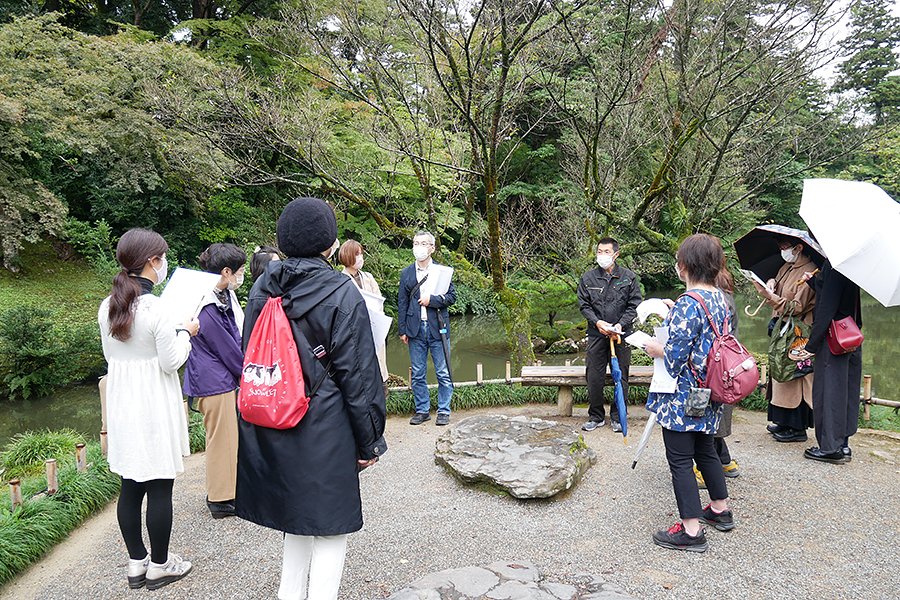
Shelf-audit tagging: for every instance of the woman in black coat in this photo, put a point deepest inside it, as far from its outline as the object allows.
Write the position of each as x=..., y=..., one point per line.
x=304, y=481
x=835, y=391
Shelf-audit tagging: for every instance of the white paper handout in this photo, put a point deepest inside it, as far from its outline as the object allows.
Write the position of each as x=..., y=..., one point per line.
x=183, y=296
x=373, y=302
x=753, y=277
x=381, y=325
x=442, y=276
x=638, y=339
x=662, y=382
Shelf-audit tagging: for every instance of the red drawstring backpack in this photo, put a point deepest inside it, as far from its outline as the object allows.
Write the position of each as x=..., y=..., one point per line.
x=273, y=391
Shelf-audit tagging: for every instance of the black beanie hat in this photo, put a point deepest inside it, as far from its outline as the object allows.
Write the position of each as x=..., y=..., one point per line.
x=306, y=227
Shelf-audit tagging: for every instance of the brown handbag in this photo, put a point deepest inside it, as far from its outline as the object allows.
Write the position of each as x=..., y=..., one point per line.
x=844, y=336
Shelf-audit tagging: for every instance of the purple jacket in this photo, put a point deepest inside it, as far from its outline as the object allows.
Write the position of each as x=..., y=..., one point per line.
x=216, y=360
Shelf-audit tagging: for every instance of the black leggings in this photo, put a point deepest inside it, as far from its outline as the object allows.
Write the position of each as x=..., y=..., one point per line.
x=159, y=517
x=682, y=449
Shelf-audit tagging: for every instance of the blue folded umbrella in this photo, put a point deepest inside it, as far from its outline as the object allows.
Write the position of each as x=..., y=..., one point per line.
x=616, y=372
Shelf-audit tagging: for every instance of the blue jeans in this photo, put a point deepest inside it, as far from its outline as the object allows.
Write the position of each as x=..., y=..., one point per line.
x=419, y=347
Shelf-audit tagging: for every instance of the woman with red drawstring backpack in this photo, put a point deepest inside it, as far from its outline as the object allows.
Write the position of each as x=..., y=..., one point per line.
x=304, y=480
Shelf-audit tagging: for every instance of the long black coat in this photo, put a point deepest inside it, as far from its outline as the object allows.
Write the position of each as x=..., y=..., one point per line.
x=305, y=480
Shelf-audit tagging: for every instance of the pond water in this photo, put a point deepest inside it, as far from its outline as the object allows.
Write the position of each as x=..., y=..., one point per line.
x=481, y=339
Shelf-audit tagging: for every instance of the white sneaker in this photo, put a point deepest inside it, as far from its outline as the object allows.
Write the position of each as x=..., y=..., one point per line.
x=137, y=572
x=160, y=575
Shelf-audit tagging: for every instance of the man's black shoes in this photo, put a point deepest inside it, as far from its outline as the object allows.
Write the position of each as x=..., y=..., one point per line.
x=220, y=510
x=442, y=419
x=830, y=457
x=419, y=418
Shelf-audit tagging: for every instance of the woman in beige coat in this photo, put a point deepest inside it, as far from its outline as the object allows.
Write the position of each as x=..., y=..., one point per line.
x=790, y=402
x=351, y=256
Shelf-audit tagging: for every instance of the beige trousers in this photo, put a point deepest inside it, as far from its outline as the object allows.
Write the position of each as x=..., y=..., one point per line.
x=221, y=422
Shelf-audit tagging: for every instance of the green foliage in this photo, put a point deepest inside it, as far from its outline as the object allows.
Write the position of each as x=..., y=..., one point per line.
x=196, y=432
x=36, y=357
x=547, y=297
x=91, y=241
x=27, y=533
x=27, y=452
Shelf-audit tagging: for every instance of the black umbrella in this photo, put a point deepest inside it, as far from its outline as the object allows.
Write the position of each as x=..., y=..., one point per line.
x=758, y=250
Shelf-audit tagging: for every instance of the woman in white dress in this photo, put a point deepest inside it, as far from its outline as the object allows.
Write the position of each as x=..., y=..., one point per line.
x=351, y=256
x=147, y=425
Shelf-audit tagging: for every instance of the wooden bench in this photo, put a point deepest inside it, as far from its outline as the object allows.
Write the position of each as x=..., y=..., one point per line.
x=566, y=378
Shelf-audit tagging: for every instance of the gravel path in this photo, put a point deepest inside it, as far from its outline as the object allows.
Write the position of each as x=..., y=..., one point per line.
x=804, y=529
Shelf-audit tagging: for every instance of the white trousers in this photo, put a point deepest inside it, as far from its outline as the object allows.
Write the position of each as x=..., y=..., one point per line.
x=312, y=567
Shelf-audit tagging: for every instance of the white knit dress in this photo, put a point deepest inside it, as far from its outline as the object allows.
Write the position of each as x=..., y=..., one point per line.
x=146, y=422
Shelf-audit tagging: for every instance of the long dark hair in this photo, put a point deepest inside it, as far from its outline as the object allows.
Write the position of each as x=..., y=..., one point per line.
x=134, y=249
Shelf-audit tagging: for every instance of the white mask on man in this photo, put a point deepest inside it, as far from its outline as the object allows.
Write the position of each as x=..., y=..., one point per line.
x=788, y=255
x=421, y=252
x=334, y=248
x=605, y=261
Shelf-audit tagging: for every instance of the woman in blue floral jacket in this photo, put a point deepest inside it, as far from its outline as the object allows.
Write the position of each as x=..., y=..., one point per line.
x=686, y=438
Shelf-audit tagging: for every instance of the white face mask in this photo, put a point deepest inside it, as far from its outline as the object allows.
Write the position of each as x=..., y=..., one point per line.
x=421, y=252
x=358, y=265
x=679, y=272
x=238, y=282
x=604, y=260
x=163, y=271
x=788, y=255
x=334, y=248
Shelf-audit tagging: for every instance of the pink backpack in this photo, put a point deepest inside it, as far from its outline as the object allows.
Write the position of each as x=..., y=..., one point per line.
x=731, y=371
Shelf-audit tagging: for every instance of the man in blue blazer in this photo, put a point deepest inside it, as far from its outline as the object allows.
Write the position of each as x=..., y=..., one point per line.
x=421, y=317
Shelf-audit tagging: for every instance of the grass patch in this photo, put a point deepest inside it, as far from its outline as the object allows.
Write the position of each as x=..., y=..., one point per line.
x=883, y=418
x=27, y=533
x=71, y=289
x=27, y=452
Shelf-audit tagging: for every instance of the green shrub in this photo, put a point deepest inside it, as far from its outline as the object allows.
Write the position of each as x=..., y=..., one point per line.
x=473, y=396
x=91, y=241
x=27, y=452
x=36, y=357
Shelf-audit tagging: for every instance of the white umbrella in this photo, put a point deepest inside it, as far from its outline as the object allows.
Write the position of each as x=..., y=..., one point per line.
x=651, y=421
x=858, y=226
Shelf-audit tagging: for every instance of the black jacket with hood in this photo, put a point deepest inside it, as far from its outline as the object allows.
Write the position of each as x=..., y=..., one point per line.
x=305, y=480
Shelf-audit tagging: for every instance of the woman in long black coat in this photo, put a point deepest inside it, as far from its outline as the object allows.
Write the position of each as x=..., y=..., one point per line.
x=304, y=481
x=835, y=391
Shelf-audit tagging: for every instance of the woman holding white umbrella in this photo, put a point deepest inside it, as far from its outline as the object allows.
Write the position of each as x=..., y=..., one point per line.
x=836, y=388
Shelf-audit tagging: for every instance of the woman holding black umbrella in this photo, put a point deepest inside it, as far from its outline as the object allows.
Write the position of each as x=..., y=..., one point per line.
x=790, y=402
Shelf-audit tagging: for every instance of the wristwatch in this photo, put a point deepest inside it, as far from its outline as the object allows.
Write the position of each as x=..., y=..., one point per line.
x=180, y=329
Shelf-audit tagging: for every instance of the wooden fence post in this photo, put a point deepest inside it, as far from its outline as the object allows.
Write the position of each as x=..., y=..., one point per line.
x=15, y=493
x=568, y=363
x=479, y=374
x=410, y=378
x=104, y=443
x=508, y=372
x=52, y=479
x=81, y=457
x=867, y=396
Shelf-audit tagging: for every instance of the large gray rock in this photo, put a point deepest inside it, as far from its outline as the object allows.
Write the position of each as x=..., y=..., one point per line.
x=508, y=580
x=524, y=456
x=566, y=346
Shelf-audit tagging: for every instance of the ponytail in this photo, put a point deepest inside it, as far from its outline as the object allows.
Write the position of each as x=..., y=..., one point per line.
x=134, y=249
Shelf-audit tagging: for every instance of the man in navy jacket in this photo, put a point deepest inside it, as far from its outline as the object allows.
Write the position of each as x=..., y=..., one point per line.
x=421, y=318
